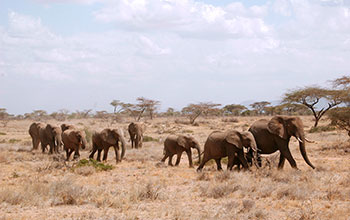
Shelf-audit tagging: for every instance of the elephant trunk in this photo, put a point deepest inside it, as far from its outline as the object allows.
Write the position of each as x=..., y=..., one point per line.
x=303, y=151
x=83, y=143
x=199, y=154
x=122, y=140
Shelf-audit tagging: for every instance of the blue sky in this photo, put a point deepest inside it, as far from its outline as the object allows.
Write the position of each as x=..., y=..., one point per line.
x=82, y=54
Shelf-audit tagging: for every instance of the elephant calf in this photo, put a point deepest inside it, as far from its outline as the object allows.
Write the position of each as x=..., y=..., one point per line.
x=136, y=134
x=230, y=143
x=73, y=140
x=104, y=140
x=176, y=145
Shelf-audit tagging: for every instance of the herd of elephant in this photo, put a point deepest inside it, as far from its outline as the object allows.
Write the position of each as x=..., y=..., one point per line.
x=241, y=148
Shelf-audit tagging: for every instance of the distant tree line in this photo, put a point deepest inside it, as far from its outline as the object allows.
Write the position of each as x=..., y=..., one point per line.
x=310, y=100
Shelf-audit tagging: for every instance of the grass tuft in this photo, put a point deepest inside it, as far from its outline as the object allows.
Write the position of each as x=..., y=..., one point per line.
x=97, y=165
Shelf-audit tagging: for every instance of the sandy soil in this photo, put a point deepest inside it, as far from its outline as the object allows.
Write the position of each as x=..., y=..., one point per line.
x=34, y=185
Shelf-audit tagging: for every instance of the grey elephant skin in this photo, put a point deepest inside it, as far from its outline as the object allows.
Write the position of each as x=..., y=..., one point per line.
x=50, y=135
x=227, y=144
x=274, y=135
x=104, y=140
x=136, y=134
x=177, y=144
x=34, y=133
x=73, y=140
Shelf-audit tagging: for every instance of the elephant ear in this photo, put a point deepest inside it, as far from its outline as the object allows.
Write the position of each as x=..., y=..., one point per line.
x=73, y=137
x=181, y=140
x=234, y=138
x=276, y=126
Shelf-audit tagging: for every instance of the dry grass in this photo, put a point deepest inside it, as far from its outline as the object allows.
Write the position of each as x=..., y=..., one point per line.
x=40, y=186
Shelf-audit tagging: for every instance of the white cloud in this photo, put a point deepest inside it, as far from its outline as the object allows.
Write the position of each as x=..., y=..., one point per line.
x=186, y=18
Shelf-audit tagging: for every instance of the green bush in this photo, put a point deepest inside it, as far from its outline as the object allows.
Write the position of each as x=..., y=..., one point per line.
x=12, y=141
x=322, y=129
x=97, y=165
x=148, y=138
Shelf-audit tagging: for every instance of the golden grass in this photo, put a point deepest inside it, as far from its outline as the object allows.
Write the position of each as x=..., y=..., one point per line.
x=40, y=186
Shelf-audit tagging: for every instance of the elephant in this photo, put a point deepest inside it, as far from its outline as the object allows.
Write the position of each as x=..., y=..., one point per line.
x=229, y=143
x=136, y=134
x=34, y=133
x=176, y=144
x=66, y=127
x=50, y=135
x=272, y=135
x=104, y=140
x=72, y=141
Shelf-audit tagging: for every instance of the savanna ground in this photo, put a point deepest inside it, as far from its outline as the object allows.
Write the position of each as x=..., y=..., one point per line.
x=34, y=185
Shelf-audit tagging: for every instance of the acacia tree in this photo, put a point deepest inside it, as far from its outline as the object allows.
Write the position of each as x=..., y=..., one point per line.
x=193, y=111
x=343, y=84
x=259, y=107
x=234, y=109
x=4, y=117
x=311, y=96
x=341, y=118
x=116, y=104
x=148, y=105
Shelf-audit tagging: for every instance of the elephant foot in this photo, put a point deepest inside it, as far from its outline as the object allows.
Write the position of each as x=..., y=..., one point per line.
x=199, y=170
x=191, y=166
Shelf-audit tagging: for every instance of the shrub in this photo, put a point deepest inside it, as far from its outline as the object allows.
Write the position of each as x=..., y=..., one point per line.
x=148, y=139
x=322, y=129
x=149, y=191
x=88, y=135
x=13, y=140
x=97, y=165
x=2, y=133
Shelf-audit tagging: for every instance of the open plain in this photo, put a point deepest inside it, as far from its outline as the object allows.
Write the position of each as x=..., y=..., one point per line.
x=34, y=185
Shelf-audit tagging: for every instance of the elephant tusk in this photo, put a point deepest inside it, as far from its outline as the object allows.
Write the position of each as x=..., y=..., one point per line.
x=298, y=138
x=309, y=141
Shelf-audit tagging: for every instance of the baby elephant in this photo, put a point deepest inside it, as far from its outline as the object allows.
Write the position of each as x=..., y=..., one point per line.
x=136, y=134
x=176, y=145
x=228, y=144
x=72, y=141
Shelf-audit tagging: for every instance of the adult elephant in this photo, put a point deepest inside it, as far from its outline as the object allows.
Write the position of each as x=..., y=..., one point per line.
x=34, y=133
x=177, y=144
x=104, y=140
x=228, y=144
x=136, y=134
x=50, y=135
x=72, y=141
x=272, y=135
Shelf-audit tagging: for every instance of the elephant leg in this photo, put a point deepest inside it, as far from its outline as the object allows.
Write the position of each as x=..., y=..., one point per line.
x=105, y=154
x=99, y=154
x=76, y=154
x=164, y=158
x=242, y=159
x=170, y=163
x=117, y=155
x=43, y=147
x=70, y=151
x=286, y=153
x=281, y=162
x=67, y=157
x=178, y=158
x=230, y=162
x=205, y=159
x=189, y=155
x=91, y=156
x=218, y=163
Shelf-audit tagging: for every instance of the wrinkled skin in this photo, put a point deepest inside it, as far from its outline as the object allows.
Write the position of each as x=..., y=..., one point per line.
x=136, y=134
x=227, y=144
x=34, y=133
x=66, y=127
x=274, y=135
x=104, y=140
x=50, y=135
x=72, y=141
x=177, y=144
